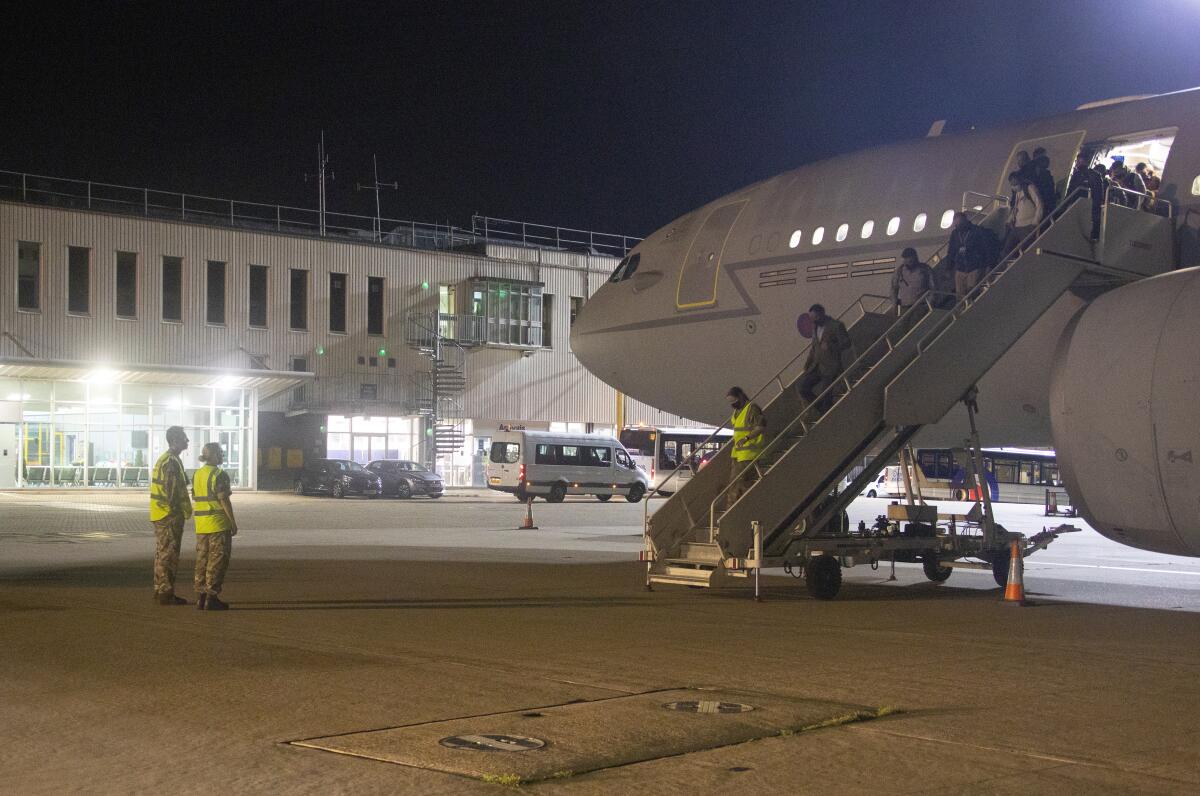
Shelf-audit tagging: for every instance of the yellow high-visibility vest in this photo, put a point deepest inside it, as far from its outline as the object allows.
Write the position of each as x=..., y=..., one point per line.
x=210, y=514
x=748, y=452
x=160, y=501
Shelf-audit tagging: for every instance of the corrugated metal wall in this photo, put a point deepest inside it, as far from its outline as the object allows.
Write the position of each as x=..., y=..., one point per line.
x=503, y=385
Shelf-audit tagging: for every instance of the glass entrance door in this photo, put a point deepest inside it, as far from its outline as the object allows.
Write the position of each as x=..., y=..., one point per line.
x=369, y=446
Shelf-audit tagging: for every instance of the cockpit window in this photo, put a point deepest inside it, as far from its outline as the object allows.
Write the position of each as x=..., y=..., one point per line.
x=620, y=269
x=626, y=268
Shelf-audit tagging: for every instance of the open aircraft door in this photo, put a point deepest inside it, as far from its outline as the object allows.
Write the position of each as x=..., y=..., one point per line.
x=697, y=286
x=1061, y=149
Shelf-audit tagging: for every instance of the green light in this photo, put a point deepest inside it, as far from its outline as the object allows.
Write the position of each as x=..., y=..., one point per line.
x=429, y=432
x=503, y=293
x=424, y=285
x=320, y=350
x=383, y=352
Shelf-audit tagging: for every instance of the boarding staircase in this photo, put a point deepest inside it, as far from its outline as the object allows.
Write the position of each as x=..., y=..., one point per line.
x=909, y=372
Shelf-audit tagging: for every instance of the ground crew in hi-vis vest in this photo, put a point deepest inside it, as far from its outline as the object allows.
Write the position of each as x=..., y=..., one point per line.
x=169, y=509
x=748, y=423
x=215, y=527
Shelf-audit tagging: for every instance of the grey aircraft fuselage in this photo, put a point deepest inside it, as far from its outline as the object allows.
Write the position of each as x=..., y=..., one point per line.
x=718, y=292
x=719, y=298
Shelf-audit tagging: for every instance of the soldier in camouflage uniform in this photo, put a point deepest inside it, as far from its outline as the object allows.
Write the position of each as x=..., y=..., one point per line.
x=170, y=507
x=215, y=527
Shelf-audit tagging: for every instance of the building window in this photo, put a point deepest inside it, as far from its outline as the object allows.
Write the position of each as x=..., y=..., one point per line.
x=391, y=362
x=29, y=276
x=258, y=296
x=362, y=360
x=299, y=393
x=216, y=292
x=511, y=312
x=172, y=288
x=126, y=285
x=374, y=362
x=79, y=280
x=337, y=302
x=547, y=320
x=298, y=310
x=375, y=305
x=576, y=306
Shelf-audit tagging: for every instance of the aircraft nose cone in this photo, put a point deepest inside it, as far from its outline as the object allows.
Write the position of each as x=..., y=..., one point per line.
x=587, y=341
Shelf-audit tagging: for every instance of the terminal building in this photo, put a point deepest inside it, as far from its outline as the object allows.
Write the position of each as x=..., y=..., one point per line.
x=283, y=334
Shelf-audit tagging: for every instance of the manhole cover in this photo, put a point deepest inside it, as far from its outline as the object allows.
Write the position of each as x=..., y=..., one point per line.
x=492, y=743
x=708, y=706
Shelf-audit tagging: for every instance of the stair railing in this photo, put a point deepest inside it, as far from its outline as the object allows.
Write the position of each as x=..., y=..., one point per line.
x=810, y=415
x=927, y=303
x=877, y=303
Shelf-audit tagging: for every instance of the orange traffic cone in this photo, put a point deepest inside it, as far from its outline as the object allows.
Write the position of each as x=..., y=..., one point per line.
x=1014, y=591
x=528, y=525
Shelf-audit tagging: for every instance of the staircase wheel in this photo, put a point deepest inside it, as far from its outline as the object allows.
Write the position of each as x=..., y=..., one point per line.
x=934, y=569
x=1000, y=561
x=603, y=498
x=635, y=493
x=557, y=493
x=823, y=577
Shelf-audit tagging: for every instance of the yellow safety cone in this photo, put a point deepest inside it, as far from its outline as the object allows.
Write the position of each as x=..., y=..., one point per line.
x=528, y=525
x=1014, y=591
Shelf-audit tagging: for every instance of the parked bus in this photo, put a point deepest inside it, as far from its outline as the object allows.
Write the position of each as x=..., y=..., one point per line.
x=1015, y=475
x=660, y=449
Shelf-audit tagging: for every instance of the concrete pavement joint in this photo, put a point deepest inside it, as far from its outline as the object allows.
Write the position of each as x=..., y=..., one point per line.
x=1058, y=759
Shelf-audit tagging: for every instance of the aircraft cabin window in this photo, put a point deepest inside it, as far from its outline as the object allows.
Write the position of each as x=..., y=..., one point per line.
x=919, y=222
x=894, y=225
x=795, y=241
x=867, y=229
x=947, y=219
x=1196, y=187
x=818, y=235
x=842, y=232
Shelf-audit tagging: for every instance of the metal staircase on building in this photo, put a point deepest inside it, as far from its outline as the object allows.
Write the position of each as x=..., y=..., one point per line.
x=909, y=372
x=440, y=392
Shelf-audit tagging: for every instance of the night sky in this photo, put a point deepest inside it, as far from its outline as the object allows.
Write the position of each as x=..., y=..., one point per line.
x=610, y=116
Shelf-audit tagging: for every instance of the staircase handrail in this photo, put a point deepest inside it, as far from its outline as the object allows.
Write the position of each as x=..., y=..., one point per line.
x=775, y=379
x=1147, y=201
x=858, y=302
x=925, y=303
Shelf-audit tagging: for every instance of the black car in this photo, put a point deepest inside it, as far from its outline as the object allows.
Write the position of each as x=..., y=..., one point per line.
x=405, y=479
x=337, y=477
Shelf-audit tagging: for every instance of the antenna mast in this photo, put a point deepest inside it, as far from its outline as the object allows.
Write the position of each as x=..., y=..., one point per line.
x=322, y=163
x=375, y=186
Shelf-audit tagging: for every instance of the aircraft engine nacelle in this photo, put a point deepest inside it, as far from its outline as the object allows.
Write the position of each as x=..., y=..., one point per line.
x=1125, y=413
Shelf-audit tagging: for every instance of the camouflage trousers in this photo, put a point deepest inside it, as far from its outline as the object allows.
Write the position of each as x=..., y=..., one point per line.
x=741, y=477
x=168, y=534
x=212, y=559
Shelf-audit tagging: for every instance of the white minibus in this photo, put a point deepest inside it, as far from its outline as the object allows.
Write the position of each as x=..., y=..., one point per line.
x=552, y=466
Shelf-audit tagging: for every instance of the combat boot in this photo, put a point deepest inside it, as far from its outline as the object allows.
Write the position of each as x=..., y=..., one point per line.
x=169, y=599
x=214, y=604
x=200, y=600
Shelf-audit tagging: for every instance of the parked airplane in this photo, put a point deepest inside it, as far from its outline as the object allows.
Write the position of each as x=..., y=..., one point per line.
x=1109, y=375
